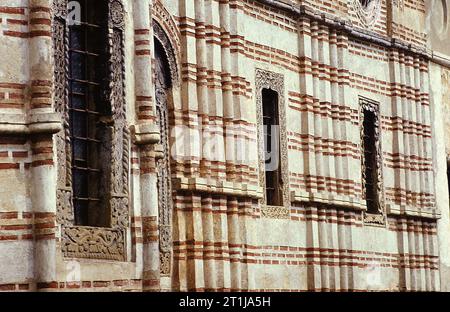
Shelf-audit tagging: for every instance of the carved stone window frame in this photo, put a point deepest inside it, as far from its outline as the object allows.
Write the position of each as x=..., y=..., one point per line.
x=165, y=199
x=167, y=34
x=368, y=14
x=273, y=81
x=84, y=241
x=373, y=106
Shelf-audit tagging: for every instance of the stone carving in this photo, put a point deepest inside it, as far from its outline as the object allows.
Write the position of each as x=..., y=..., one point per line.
x=79, y=241
x=372, y=106
x=119, y=212
x=164, y=77
x=64, y=204
x=165, y=260
x=375, y=219
x=64, y=154
x=274, y=212
x=170, y=55
x=117, y=13
x=121, y=137
x=97, y=243
x=60, y=9
x=168, y=23
x=270, y=80
x=368, y=11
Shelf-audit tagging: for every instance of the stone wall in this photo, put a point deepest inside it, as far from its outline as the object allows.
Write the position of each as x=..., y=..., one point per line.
x=324, y=58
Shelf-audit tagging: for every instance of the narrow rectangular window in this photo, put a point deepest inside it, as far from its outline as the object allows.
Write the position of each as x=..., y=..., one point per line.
x=87, y=112
x=272, y=148
x=370, y=161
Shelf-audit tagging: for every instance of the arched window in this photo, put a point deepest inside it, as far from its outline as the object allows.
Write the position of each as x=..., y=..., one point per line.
x=364, y=3
x=368, y=11
x=93, y=147
x=163, y=83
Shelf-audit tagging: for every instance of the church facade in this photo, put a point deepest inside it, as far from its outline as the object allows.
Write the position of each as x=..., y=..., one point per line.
x=224, y=145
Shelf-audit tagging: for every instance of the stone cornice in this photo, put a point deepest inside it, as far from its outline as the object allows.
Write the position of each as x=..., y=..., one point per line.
x=19, y=124
x=347, y=27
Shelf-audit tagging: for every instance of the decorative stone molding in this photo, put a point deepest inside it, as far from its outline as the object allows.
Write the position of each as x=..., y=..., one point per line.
x=44, y=123
x=171, y=55
x=16, y=124
x=275, y=212
x=372, y=106
x=167, y=77
x=93, y=243
x=144, y=134
x=368, y=11
x=273, y=81
x=168, y=33
x=334, y=200
x=81, y=241
x=375, y=219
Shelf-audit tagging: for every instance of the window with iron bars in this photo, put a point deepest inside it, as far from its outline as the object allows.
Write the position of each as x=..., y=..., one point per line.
x=89, y=113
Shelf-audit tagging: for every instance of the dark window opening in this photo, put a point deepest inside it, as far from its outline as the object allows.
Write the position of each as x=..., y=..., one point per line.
x=448, y=176
x=272, y=148
x=370, y=162
x=364, y=3
x=162, y=68
x=89, y=114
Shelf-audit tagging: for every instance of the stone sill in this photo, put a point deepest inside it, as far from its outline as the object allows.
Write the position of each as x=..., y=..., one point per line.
x=328, y=199
x=217, y=187
x=18, y=124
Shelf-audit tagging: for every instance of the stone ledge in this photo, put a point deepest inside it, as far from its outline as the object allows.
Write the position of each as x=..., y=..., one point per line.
x=17, y=124
x=441, y=59
x=328, y=199
x=410, y=211
x=217, y=187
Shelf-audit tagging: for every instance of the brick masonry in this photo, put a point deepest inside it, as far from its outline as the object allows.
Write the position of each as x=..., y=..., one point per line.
x=222, y=237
